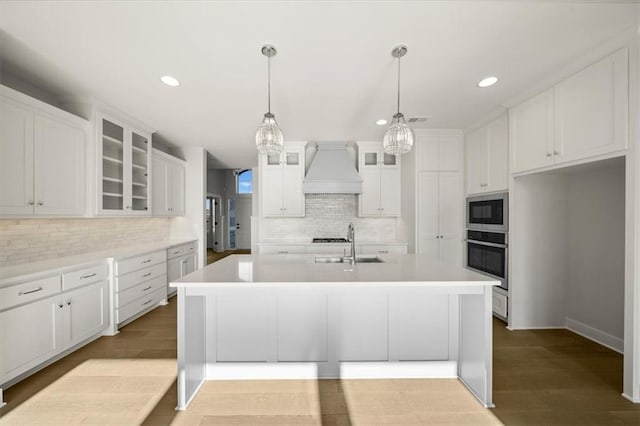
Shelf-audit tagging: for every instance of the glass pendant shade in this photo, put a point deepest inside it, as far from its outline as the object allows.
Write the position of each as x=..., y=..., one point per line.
x=399, y=137
x=269, y=139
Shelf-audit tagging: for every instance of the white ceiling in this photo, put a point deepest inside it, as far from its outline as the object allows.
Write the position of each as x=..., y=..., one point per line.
x=333, y=76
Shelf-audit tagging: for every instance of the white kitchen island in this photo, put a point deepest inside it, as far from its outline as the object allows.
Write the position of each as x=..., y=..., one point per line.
x=287, y=317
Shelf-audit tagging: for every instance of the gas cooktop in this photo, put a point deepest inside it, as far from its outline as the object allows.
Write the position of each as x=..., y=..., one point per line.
x=329, y=240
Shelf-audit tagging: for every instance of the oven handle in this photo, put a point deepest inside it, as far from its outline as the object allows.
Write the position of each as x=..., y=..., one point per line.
x=484, y=243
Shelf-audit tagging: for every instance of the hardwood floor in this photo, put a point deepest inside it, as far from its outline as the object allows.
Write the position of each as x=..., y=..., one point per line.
x=540, y=378
x=213, y=256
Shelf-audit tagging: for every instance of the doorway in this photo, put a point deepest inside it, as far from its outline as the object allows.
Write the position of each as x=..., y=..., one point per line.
x=239, y=223
x=213, y=224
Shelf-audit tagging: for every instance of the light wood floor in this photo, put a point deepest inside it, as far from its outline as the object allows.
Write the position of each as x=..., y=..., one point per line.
x=540, y=378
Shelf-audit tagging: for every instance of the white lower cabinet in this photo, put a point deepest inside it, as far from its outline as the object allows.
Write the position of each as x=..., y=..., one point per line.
x=30, y=335
x=181, y=261
x=140, y=283
x=281, y=248
x=242, y=328
x=364, y=334
x=36, y=326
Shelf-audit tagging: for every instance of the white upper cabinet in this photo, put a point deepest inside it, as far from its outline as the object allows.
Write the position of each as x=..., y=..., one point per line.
x=42, y=158
x=124, y=160
x=380, y=174
x=440, y=152
x=585, y=115
x=487, y=157
x=591, y=110
x=168, y=185
x=281, y=178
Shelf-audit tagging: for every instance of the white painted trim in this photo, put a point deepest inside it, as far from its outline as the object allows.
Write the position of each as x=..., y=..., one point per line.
x=466, y=385
x=554, y=327
x=605, y=339
x=348, y=370
x=2, y=403
x=625, y=396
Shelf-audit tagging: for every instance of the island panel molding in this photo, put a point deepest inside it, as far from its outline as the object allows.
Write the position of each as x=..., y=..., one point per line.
x=285, y=316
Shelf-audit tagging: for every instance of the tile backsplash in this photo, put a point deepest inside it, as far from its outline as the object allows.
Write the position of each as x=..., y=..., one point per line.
x=328, y=215
x=30, y=240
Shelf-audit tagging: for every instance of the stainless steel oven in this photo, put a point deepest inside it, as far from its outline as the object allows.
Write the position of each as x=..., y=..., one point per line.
x=488, y=212
x=487, y=253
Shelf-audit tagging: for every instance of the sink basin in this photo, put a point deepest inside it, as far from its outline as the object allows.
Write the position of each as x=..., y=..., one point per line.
x=359, y=259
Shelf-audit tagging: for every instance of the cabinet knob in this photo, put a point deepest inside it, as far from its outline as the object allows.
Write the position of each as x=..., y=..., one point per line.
x=40, y=203
x=30, y=203
x=69, y=303
x=549, y=154
x=556, y=152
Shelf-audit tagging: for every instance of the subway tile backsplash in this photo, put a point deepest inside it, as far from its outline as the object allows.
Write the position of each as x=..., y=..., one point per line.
x=30, y=240
x=328, y=215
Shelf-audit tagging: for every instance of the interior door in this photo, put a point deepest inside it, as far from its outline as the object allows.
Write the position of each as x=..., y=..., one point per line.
x=243, y=223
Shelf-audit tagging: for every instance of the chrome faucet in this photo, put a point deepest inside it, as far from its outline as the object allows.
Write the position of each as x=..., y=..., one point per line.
x=351, y=238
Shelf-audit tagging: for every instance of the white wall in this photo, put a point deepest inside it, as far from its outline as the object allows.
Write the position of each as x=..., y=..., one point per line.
x=192, y=224
x=537, y=242
x=595, y=253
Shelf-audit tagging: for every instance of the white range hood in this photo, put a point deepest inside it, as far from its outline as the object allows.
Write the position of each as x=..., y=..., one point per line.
x=332, y=171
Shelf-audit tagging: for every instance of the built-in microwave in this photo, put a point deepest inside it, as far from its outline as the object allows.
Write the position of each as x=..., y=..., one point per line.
x=488, y=212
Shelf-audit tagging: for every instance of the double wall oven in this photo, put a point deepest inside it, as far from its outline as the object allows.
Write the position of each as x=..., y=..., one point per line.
x=487, y=235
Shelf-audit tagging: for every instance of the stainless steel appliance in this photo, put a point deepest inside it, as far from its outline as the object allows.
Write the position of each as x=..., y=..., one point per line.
x=487, y=253
x=488, y=212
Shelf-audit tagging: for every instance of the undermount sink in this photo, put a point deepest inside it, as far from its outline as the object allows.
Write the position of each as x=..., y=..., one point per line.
x=359, y=259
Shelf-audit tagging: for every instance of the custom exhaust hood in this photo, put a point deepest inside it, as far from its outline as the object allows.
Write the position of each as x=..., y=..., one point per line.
x=332, y=171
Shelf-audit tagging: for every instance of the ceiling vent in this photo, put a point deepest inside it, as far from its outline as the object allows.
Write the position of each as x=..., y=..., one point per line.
x=418, y=119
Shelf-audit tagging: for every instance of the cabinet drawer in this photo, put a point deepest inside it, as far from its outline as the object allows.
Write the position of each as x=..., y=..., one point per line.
x=181, y=250
x=134, y=263
x=139, y=305
x=140, y=290
x=29, y=291
x=500, y=303
x=383, y=249
x=134, y=278
x=282, y=249
x=90, y=274
x=335, y=249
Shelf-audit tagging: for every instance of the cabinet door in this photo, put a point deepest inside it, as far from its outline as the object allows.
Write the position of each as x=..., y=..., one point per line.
x=427, y=207
x=292, y=195
x=363, y=335
x=474, y=144
x=242, y=327
x=139, y=185
x=450, y=210
x=271, y=191
x=591, y=110
x=390, y=191
x=175, y=189
x=428, y=151
x=189, y=264
x=85, y=313
x=174, y=272
x=16, y=159
x=59, y=168
x=369, y=199
x=531, y=133
x=159, y=179
x=450, y=153
x=497, y=155
x=111, y=169
x=29, y=335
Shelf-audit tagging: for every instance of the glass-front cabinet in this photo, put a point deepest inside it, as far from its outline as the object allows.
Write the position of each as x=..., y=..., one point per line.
x=123, y=169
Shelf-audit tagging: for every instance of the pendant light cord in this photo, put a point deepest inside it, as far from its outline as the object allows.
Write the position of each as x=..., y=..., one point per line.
x=269, y=84
x=398, y=84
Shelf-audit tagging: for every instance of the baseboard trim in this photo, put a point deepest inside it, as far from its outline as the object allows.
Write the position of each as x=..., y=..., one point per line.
x=600, y=337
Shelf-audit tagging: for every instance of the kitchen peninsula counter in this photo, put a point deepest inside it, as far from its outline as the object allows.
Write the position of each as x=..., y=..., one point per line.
x=286, y=316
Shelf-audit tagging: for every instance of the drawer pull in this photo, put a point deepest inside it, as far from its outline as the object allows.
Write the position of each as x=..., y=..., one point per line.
x=190, y=248
x=146, y=261
x=383, y=251
x=87, y=276
x=176, y=252
x=146, y=288
x=146, y=275
x=147, y=302
x=35, y=290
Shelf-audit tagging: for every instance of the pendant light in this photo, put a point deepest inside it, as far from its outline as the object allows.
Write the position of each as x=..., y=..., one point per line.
x=269, y=138
x=399, y=137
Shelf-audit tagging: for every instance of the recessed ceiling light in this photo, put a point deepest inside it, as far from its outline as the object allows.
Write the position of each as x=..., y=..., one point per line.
x=170, y=81
x=489, y=81
x=381, y=122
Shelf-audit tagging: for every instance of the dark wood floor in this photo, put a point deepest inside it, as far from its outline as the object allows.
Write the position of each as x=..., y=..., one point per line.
x=214, y=256
x=550, y=377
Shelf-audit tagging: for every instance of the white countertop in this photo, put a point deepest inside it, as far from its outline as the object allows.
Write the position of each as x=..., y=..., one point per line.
x=261, y=271
x=26, y=271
